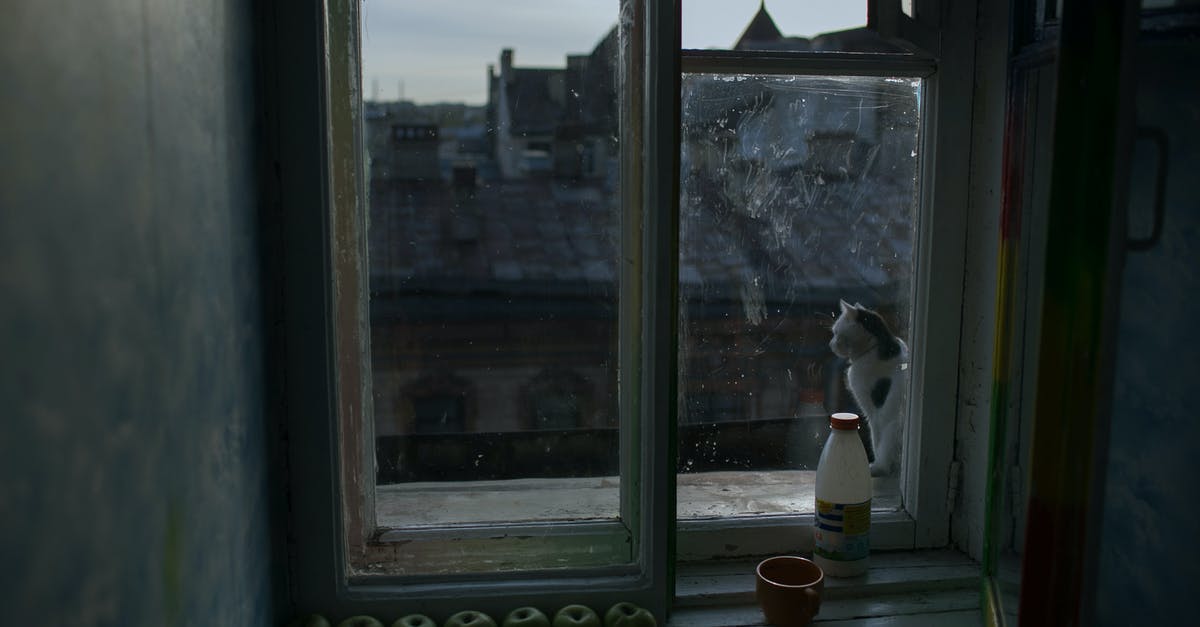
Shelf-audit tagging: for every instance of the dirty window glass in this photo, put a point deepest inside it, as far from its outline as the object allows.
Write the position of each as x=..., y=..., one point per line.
x=492, y=242
x=795, y=193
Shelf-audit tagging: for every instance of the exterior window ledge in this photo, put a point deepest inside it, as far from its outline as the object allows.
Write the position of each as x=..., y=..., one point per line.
x=701, y=495
x=930, y=588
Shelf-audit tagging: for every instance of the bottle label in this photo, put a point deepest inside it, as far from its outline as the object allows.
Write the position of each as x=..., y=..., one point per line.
x=842, y=530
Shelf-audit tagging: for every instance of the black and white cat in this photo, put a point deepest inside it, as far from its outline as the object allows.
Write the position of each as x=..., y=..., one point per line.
x=878, y=379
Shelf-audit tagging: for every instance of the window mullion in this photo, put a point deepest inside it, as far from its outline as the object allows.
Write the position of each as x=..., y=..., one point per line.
x=807, y=63
x=939, y=286
x=660, y=254
x=631, y=277
x=349, y=320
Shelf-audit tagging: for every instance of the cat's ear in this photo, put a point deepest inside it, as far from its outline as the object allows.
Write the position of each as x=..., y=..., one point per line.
x=844, y=305
x=859, y=306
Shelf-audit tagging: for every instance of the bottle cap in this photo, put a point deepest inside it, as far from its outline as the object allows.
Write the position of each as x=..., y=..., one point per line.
x=845, y=420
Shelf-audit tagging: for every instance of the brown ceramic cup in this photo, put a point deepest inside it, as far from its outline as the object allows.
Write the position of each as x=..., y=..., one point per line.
x=789, y=590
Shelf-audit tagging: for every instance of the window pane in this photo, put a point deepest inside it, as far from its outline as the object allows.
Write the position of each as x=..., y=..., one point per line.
x=796, y=192
x=807, y=26
x=493, y=244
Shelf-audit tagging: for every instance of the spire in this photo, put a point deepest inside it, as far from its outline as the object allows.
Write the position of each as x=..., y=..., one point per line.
x=761, y=29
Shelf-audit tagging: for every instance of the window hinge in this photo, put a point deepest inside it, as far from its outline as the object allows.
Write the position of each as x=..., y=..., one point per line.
x=955, y=482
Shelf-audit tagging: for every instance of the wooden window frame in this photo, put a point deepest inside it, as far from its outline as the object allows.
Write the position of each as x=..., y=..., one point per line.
x=316, y=190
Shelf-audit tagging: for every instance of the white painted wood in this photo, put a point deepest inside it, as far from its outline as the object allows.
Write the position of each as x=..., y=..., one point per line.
x=980, y=276
x=732, y=581
x=954, y=607
x=768, y=535
x=735, y=588
x=805, y=63
x=939, y=587
x=962, y=618
x=937, y=322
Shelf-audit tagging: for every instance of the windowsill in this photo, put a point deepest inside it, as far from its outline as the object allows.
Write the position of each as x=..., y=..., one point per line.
x=928, y=588
x=901, y=588
x=700, y=495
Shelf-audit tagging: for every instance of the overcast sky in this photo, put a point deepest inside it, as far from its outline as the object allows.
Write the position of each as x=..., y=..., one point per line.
x=440, y=49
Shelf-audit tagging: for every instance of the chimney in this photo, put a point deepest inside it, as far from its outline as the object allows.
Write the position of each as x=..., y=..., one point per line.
x=506, y=64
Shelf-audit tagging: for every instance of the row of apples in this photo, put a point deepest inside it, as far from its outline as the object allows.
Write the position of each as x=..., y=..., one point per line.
x=623, y=614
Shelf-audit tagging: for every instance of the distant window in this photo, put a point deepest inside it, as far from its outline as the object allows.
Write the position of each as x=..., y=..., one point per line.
x=556, y=399
x=710, y=406
x=439, y=413
x=439, y=403
x=407, y=133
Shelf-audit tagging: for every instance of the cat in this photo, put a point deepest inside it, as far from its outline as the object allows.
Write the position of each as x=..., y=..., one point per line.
x=877, y=378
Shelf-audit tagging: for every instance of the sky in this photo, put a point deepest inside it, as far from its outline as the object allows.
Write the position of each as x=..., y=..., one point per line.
x=439, y=50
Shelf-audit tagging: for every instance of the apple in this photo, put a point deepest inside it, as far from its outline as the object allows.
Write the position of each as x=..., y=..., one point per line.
x=312, y=620
x=414, y=620
x=576, y=616
x=470, y=618
x=360, y=621
x=626, y=614
x=526, y=617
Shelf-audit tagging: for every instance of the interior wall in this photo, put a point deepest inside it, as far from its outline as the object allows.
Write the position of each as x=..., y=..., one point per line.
x=133, y=443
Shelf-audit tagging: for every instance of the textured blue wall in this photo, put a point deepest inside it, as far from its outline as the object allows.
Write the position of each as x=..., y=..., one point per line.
x=133, y=443
x=1151, y=531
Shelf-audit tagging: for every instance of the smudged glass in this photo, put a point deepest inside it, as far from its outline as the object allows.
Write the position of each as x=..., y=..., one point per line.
x=795, y=192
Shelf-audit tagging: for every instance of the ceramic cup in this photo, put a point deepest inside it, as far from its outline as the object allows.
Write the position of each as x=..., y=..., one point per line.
x=789, y=590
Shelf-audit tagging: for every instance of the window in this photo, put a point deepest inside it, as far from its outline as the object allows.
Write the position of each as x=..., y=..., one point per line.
x=796, y=191
x=517, y=310
x=498, y=265
x=808, y=175
x=487, y=418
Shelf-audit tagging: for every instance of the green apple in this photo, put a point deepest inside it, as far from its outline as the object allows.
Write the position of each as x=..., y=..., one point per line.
x=312, y=620
x=360, y=621
x=414, y=620
x=576, y=616
x=470, y=618
x=626, y=614
x=526, y=617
